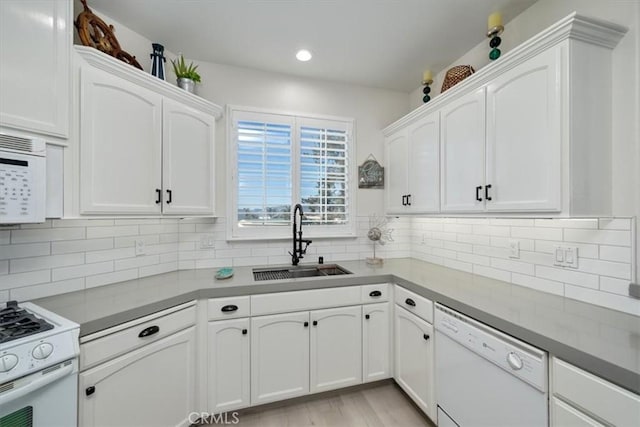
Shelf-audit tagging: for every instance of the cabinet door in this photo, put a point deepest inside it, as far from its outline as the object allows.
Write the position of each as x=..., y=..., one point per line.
x=414, y=359
x=120, y=146
x=229, y=364
x=35, y=67
x=187, y=160
x=152, y=386
x=524, y=136
x=336, y=348
x=424, y=165
x=396, y=152
x=279, y=357
x=462, y=151
x=376, y=343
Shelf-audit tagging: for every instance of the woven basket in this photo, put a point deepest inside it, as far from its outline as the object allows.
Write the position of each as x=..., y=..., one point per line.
x=455, y=75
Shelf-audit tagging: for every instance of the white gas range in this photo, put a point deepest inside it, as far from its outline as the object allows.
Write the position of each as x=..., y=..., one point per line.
x=38, y=367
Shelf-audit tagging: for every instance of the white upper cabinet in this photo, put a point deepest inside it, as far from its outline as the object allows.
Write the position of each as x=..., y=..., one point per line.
x=396, y=151
x=188, y=159
x=413, y=167
x=145, y=146
x=524, y=136
x=35, y=49
x=121, y=146
x=463, y=148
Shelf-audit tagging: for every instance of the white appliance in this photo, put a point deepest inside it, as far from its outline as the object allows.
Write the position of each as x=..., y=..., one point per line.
x=23, y=175
x=485, y=377
x=38, y=367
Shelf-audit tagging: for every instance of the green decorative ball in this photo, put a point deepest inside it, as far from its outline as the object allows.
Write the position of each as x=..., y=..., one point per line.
x=426, y=98
x=494, y=54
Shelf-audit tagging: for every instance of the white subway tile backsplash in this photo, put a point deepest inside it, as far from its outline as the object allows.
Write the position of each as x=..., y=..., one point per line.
x=614, y=286
x=568, y=276
x=601, y=237
x=47, y=235
x=536, y=233
x=27, y=293
x=513, y=266
x=141, y=261
x=113, y=277
x=63, y=273
x=110, y=254
x=81, y=245
x=118, y=230
x=584, y=250
x=537, y=283
x=151, y=270
x=587, y=223
x=5, y=237
x=10, y=281
x=24, y=250
x=492, y=272
x=617, y=302
x=43, y=262
x=4, y=267
x=606, y=268
x=615, y=253
x=615, y=223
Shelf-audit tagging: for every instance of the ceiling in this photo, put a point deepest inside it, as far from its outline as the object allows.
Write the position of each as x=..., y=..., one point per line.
x=378, y=43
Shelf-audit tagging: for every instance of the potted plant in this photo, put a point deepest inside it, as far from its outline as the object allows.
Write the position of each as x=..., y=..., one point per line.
x=186, y=74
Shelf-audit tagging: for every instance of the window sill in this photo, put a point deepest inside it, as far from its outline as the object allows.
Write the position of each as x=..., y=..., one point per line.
x=289, y=238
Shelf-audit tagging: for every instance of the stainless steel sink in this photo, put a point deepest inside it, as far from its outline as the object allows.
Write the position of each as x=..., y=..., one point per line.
x=317, y=270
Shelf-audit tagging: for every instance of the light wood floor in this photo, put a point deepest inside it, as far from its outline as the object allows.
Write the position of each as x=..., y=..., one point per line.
x=378, y=406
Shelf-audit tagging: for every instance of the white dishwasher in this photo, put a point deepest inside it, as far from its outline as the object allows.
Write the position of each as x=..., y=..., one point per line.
x=485, y=377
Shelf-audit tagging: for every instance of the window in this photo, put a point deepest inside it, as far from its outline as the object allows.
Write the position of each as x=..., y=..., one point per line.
x=278, y=160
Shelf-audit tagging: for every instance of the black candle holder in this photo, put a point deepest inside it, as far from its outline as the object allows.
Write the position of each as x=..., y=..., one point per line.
x=158, y=60
x=494, y=35
x=426, y=90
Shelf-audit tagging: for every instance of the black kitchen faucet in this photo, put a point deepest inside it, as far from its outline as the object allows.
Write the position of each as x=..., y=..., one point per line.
x=298, y=251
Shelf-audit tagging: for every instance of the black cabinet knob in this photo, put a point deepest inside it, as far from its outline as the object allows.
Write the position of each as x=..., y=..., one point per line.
x=366, y=316
x=90, y=390
x=229, y=308
x=306, y=324
x=315, y=323
x=244, y=332
x=426, y=337
x=410, y=302
x=374, y=294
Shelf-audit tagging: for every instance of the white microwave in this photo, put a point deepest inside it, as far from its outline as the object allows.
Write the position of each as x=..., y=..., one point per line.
x=22, y=179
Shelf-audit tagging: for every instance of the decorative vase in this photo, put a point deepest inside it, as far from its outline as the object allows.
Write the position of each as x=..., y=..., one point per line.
x=187, y=84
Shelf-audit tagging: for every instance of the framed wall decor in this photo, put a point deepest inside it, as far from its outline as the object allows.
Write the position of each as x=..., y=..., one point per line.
x=370, y=174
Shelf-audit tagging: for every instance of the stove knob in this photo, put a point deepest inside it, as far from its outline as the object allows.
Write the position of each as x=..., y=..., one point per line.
x=8, y=362
x=42, y=351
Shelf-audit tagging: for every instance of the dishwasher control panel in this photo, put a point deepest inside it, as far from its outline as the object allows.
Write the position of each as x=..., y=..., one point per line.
x=514, y=356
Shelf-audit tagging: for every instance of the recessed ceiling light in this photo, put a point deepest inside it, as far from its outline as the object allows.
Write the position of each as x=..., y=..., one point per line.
x=303, y=55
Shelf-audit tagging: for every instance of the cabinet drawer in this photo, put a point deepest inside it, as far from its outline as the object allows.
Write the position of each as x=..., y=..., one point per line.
x=595, y=395
x=283, y=302
x=375, y=293
x=229, y=308
x=134, y=334
x=420, y=306
x=563, y=415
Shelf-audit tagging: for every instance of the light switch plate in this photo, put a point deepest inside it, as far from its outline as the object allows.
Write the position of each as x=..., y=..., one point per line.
x=140, y=249
x=514, y=249
x=565, y=256
x=207, y=242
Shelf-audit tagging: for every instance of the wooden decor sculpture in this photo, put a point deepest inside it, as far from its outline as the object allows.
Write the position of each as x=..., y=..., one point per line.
x=94, y=32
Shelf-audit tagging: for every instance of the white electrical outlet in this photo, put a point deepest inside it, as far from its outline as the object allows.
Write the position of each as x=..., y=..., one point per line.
x=514, y=249
x=207, y=242
x=139, y=247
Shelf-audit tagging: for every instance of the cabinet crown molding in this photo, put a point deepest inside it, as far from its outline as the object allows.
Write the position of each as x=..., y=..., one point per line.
x=574, y=26
x=105, y=62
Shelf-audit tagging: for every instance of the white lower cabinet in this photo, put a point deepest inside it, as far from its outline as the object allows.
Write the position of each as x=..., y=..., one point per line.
x=151, y=386
x=279, y=357
x=376, y=342
x=336, y=348
x=583, y=399
x=229, y=365
x=414, y=359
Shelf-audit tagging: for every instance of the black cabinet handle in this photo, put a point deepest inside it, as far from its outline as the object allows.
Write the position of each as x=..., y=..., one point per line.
x=315, y=323
x=426, y=337
x=306, y=324
x=366, y=316
x=229, y=308
x=375, y=294
x=159, y=196
x=478, y=188
x=408, y=199
x=244, y=332
x=169, y=194
x=410, y=302
x=404, y=200
x=486, y=192
x=151, y=330
x=90, y=390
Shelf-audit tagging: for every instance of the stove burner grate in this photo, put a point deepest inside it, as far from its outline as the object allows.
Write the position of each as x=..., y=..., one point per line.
x=16, y=322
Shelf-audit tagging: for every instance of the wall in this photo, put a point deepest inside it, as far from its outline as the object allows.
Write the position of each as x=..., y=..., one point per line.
x=625, y=86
